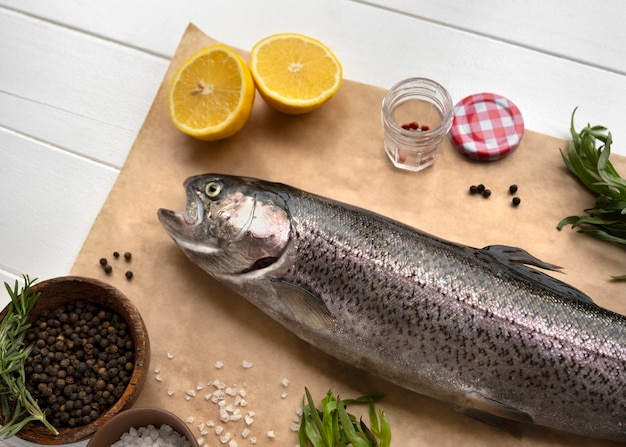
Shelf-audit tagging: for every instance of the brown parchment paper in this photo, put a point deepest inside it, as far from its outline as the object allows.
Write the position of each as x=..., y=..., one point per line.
x=335, y=151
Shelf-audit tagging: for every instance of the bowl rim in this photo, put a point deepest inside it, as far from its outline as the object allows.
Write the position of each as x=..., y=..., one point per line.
x=38, y=433
x=120, y=424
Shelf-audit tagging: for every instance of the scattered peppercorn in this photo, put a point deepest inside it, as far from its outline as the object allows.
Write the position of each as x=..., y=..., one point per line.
x=473, y=189
x=486, y=193
x=480, y=188
x=116, y=254
x=127, y=256
x=108, y=269
x=516, y=201
x=513, y=189
x=129, y=274
x=103, y=261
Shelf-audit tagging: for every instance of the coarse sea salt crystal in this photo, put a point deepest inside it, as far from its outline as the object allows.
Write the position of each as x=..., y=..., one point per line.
x=219, y=364
x=191, y=392
x=245, y=433
x=170, y=355
x=285, y=382
x=246, y=364
x=224, y=416
x=271, y=434
x=230, y=391
x=152, y=436
x=170, y=391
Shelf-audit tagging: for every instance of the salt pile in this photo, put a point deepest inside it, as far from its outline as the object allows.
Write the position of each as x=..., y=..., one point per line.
x=150, y=436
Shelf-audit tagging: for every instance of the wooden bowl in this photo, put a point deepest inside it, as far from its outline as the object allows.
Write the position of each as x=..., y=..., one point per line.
x=59, y=291
x=113, y=430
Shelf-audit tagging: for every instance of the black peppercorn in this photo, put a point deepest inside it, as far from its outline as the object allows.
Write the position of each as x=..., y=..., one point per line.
x=74, y=348
x=486, y=193
x=103, y=261
x=127, y=256
x=513, y=189
x=129, y=274
x=116, y=254
x=473, y=189
x=108, y=269
x=480, y=188
x=516, y=201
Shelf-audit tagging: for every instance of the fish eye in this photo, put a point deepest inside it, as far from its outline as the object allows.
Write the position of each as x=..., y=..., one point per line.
x=213, y=189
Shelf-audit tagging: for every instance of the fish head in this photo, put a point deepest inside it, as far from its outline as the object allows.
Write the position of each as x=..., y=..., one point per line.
x=230, y=226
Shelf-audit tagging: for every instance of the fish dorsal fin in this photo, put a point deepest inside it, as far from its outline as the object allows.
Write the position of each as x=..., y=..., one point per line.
x=305, y=307
x=518, y=261
x=492, y=412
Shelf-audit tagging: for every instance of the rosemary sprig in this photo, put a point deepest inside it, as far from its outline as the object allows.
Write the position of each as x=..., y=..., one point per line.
x=333, y=426
x=587, y=157
x=17, y=405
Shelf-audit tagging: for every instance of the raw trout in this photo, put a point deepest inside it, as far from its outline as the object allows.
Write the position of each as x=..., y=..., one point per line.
x=476, y=328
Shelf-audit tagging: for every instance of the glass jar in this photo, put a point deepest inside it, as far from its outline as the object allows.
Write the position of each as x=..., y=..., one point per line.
x=416, y=114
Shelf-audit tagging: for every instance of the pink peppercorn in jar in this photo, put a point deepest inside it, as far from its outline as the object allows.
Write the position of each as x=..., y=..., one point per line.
x=417, y=114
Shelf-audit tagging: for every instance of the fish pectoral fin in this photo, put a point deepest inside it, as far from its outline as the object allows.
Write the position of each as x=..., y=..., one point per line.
x=494, y=413
x=305, y=307
x=518, y=261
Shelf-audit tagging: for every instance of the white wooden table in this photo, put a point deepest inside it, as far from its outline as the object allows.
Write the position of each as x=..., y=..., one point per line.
x=77, y=78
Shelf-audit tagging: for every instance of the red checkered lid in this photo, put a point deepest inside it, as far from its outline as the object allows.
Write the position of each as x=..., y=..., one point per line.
x=486, y=126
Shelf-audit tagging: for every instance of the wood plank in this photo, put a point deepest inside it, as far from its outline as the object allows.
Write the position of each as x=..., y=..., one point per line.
x=72, y=90
x=572, y=29
x=50, y=199
x=552, y=27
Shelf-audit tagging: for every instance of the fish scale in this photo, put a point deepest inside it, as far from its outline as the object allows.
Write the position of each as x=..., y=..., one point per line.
x=476, y=328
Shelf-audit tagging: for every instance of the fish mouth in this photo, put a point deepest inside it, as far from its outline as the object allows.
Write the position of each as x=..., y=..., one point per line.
x=191, y=217
x=180, y=225
x=193, y=211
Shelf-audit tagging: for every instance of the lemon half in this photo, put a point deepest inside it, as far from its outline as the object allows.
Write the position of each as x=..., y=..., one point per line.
x=294, y=73
x=212, y=94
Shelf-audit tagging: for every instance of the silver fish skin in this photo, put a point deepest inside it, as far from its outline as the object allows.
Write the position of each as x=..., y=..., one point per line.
x=476, y=328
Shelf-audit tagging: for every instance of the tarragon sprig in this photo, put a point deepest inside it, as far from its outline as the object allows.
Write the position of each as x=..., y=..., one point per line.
x=587, y=157
x=333, y=426
x=17, y=405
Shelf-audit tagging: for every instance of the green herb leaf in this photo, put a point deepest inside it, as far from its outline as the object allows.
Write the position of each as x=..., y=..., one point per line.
x=588, y=158
x=334, y=426
x=16, y=403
